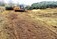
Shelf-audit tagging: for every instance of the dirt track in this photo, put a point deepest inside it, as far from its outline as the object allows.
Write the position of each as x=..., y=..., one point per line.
x=21, y=26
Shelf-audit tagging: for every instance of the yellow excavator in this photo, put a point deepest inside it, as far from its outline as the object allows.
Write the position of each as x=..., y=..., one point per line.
x=19, y=8
x=16, y=8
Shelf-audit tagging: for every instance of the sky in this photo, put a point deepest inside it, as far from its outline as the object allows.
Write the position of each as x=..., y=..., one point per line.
x=27, y=2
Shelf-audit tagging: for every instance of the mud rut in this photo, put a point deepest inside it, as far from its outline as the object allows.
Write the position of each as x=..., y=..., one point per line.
x=23, y=27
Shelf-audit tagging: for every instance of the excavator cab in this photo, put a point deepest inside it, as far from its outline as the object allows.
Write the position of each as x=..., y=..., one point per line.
x=19, y=8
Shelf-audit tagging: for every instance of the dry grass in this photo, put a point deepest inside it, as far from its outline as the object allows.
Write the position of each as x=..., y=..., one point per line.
x=41, y=24
x=48, y=16
x=2, y=9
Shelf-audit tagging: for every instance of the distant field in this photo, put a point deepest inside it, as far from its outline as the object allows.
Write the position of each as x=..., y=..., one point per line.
x=48, y=16
x=32, y=24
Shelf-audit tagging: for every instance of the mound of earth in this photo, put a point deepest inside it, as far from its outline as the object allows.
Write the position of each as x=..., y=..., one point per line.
x=21, y=26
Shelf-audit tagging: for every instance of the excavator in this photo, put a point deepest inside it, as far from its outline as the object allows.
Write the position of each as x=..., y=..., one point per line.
x=19, y=8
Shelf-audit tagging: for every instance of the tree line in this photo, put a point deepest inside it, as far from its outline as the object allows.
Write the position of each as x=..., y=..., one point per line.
x=2, y=4
x=43, y=5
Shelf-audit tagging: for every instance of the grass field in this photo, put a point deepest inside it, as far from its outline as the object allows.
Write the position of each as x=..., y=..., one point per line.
x=48, y=16
x=33, y=24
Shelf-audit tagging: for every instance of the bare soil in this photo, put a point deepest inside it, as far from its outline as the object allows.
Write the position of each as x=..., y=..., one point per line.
x=21, y=26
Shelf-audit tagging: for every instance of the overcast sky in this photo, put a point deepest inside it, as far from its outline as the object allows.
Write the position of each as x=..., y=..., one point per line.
x=27, y=2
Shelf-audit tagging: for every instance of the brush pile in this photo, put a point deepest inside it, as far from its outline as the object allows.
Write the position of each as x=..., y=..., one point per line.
x=2, y=9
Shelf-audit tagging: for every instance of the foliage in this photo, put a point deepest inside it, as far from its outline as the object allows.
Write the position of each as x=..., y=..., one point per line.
x=28, y=7
x=2, y=4
x=44, y=5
